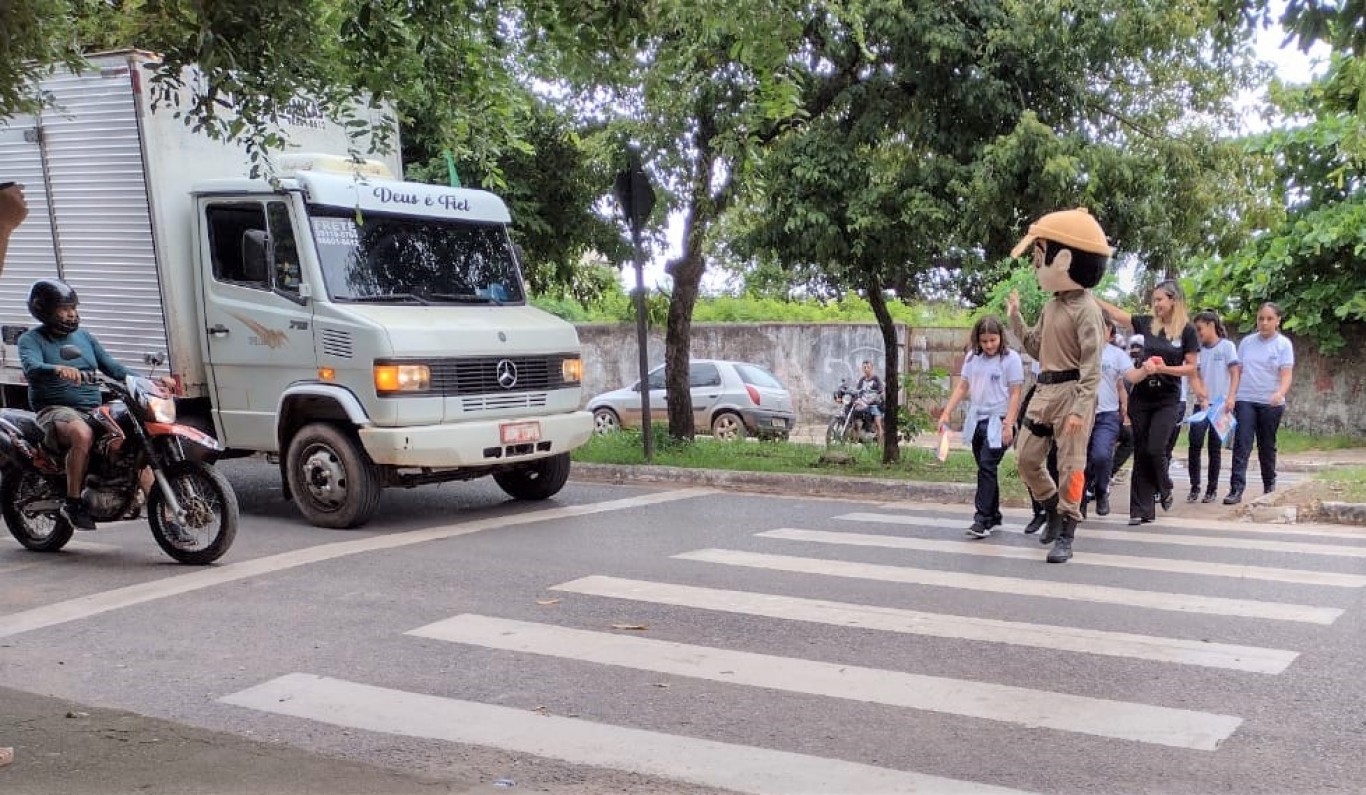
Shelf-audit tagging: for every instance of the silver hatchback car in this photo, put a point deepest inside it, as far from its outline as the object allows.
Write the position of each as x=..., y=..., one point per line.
x=733, y=399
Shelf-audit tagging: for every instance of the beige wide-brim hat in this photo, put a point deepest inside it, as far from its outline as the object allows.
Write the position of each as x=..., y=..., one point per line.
x=1076, y=229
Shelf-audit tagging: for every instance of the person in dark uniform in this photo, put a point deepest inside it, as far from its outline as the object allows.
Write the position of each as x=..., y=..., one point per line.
x=1170, y=348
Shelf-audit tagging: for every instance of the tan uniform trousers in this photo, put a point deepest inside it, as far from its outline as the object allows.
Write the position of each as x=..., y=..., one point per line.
x=1049, y=407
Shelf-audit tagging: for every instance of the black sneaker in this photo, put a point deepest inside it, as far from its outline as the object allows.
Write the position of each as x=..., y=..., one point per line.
x=979, y=530
x=1103, y=504
x=73, y=510
x=1194, y=495
x=1034, y=524
x=1210, y=496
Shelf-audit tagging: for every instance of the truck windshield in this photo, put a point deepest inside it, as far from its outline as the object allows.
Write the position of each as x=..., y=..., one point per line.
x=396, y=260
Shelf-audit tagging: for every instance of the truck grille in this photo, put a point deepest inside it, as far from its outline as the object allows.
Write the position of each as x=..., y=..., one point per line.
x=479, y=375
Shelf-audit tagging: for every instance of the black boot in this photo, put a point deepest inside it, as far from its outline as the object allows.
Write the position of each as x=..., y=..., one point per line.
x=1195, y=493
x=1103, y=504
x=1035, y=523
x=1053, y=521
x=1234, y=497
x=1062, y=550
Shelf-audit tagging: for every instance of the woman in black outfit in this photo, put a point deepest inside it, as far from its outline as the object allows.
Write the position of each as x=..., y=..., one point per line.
x=1170, y=348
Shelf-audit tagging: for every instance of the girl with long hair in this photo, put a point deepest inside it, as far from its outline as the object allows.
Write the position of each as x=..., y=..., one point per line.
x=1219, y=371
x=991, y=380
x=1170, y=348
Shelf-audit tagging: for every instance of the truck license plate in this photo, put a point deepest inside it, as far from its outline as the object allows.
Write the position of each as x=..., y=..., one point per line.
x=777, y=423
x=520, y=432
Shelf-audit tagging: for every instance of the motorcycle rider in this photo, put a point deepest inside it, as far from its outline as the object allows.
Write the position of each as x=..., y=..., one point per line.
x=870, y=388
x=63, y=402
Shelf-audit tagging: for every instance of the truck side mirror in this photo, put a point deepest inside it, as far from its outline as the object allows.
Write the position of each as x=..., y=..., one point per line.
x=256, y=256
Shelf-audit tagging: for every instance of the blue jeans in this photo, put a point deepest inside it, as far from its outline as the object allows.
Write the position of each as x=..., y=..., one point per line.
x=988, y=501
x=1100, y=455
x=1256, y=422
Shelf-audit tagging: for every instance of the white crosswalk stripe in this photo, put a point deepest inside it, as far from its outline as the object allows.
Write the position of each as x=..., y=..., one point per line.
x=890, y=619
x=1088, y=559
x=1031, y=708
x=704, y=762
x=1092, y=713
x=1156, y=600
x=964, y=513
x=1144, y=536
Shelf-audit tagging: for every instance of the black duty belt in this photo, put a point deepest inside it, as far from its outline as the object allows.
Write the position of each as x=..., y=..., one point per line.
x=1058, y=376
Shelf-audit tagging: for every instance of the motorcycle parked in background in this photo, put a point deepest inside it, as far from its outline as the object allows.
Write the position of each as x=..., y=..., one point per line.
x=192, y=509
x=853, y=421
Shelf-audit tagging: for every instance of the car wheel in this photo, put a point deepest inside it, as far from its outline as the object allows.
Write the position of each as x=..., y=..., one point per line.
x=606, y=421
x=728, y=426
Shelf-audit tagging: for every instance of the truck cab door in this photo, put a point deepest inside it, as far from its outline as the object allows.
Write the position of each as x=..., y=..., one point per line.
x=257, y=323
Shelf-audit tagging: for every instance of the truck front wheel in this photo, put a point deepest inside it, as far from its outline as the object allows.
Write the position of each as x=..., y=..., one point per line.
x=535, y=480
x=333, y=480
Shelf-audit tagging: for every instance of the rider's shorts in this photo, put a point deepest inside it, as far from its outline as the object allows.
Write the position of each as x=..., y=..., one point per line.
x=49, y=417
x=875, y=411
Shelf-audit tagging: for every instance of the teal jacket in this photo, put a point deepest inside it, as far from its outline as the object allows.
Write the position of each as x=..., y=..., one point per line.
x=40, y=354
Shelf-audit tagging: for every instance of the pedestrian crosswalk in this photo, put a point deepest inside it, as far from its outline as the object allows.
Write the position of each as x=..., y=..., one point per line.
x=1223, y=578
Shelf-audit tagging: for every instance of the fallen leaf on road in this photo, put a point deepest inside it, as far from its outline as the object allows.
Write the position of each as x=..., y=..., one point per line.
x=660, y=684
x=543, y=709
x=6, y=756
x=548, y=601
x=636, y=627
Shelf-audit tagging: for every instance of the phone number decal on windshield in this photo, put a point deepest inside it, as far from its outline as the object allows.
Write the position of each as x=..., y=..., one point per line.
x=336, y=231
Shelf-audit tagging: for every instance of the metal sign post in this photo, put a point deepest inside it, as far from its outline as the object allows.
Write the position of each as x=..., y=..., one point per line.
x=637, y=199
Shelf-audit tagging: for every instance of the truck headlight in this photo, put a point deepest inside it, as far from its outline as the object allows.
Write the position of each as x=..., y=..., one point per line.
x=390, y=378
x=571, y=370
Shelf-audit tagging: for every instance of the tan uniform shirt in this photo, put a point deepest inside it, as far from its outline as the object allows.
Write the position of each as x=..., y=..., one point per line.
x=1069, y=336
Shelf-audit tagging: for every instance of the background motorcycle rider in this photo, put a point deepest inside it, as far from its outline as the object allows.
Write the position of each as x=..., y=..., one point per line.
x=56, y=391
x=870, y=386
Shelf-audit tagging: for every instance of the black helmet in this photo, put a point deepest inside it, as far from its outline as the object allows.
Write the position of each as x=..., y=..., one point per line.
x=43, y=299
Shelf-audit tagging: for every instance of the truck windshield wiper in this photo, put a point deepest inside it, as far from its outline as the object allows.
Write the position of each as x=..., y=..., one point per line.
x=384, y=298
x=465, y=298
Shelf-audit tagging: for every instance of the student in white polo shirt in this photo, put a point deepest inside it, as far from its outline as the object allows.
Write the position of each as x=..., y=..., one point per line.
x=992, y=377
x=1268, y=361
x=1219, y=371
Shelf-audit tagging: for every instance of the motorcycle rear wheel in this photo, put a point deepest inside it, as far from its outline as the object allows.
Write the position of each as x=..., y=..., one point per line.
x=211, y=514
x=40, y=532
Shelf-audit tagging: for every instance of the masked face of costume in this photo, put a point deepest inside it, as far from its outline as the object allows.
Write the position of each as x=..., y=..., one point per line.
x=1070, y=250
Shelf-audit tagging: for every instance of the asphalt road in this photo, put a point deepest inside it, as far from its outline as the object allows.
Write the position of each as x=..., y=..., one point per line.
x=648, y=640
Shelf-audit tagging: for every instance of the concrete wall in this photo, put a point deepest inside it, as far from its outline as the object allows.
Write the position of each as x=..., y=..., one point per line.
x=811, y=358
x=1326, y=395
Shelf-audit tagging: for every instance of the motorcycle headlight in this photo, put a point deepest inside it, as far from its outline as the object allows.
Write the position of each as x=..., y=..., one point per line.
x=162, y=409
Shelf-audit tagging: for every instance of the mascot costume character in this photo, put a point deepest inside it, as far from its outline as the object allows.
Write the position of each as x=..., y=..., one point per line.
x=1070, y=254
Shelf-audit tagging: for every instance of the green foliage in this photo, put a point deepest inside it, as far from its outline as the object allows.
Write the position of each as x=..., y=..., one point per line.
x=1311, y=259
x=615, y=307
x=924, y=393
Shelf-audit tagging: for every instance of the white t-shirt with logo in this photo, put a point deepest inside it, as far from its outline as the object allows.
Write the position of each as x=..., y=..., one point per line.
x=1262, y=362
x=1214, y=362
x=989, y=380
x=1114, y=363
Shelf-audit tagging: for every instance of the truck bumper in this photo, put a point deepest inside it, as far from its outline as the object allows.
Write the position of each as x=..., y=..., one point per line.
x=476, y=444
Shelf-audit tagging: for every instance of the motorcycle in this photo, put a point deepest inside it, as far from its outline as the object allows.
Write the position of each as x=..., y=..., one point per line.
x=853, y=421
x=192, y=509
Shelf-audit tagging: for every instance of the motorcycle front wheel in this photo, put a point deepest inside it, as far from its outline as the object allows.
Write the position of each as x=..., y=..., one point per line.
x=211, y=515
x=40, y=531
x=834, y=432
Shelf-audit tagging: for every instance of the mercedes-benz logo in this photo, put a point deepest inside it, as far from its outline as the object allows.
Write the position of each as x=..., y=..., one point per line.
x=507, y=374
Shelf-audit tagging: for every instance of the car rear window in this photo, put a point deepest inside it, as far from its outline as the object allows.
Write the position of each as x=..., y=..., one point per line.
x=757, y=376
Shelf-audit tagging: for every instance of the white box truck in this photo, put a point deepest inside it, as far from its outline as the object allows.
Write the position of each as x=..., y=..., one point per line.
x=363, y=331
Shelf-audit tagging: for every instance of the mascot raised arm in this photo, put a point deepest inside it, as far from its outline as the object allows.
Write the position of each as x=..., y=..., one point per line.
x=1070, y=255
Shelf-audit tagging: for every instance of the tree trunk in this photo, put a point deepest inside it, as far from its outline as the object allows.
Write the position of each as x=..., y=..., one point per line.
x=891, y=447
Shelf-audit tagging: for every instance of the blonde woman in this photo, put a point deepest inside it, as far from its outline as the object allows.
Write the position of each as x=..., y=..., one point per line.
x=1170, y=349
